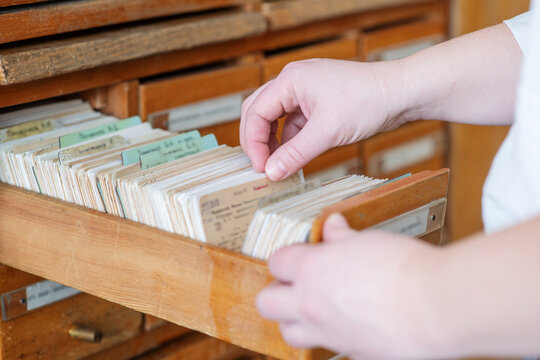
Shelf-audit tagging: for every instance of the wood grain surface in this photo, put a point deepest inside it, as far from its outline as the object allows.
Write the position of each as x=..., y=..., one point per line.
x=52, y=58
x=43, y=333
x=189, y=283
x=289, y=13
x=66, y=16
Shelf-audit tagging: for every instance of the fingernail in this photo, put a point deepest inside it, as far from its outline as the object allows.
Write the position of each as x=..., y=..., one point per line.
x=335, y=219
x=275, y=169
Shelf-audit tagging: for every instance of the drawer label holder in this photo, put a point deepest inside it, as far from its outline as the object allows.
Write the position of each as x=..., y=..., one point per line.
x=417, y=222
x=21, y=301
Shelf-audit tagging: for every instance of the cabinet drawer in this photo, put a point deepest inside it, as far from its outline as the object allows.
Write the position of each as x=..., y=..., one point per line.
x=199, y=347
x=71, y=328
x=62, y=17
x=289, y=13
x=416, y=146
x=345, y=48
x=396, y=42
x=210, y=100
x=192, y=284
x=335, y=163
x=23, y=63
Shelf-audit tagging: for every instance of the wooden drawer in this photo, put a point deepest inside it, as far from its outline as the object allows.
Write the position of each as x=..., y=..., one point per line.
x=394, y=42
x=208, y=100
x=67, y=16
x=288, y=13
x=199, y=347
x=192, y=284
x=27, y=62
x=335, y=163
x=414, y=147
x=345, y=48
x=71, y=328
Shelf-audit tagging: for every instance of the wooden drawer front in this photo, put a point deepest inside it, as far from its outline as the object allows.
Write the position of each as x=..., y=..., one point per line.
x=334, y=164
x=288, y=13
x=413, y=147
x=210, y=101
x=61, y=17
x=199, y=347
x=345, y=48
x=192, y=284
x=52, y=58
x=400, y=41
x=52, y=332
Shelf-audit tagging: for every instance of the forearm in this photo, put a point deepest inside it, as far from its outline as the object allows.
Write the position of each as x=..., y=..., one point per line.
x=472, y=79
x=485, y=294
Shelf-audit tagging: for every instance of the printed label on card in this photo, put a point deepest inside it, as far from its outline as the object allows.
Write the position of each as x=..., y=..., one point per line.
x=28, y=129
x=89, y=134
x=178, y=151
x=134, y=155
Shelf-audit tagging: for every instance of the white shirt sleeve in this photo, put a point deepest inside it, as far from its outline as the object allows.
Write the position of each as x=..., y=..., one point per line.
x=520, y=28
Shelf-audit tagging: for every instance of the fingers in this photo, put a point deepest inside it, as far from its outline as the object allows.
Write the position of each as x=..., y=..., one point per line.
x=270, y=103
x=297, y=335
x=336, y=228
x=275, y=302
x=245, y=106
x=293, y=124
x=297, y=151
x=283, y=264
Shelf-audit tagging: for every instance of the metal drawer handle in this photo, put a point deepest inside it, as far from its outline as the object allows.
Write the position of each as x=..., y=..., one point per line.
x=85, y=334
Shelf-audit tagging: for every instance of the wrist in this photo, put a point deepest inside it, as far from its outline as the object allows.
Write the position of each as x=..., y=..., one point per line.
x=424, y=309
x=399, y=92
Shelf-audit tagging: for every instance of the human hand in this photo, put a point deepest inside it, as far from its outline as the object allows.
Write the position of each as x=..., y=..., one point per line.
x=364, y=294
x=328, y=103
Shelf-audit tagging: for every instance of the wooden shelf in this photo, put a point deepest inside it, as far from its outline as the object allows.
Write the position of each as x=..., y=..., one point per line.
x=201, y=287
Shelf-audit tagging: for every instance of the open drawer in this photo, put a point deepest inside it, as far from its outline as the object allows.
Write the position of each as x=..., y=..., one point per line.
x=209, y=100
x=201, y=287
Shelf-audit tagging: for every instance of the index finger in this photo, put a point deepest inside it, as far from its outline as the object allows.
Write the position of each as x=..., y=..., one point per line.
x=276, y=99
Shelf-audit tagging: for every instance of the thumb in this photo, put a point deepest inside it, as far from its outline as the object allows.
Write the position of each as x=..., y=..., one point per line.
x=297, y=152
x=336, y=228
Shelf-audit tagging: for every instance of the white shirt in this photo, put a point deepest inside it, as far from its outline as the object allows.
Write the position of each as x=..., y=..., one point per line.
x=512, y=189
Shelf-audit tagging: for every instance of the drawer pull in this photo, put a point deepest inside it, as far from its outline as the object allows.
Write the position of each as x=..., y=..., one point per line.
x=85, y=334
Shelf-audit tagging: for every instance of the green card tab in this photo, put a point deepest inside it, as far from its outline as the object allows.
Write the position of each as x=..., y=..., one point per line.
x=178, y=151
x=134, y=155
x=89, y=134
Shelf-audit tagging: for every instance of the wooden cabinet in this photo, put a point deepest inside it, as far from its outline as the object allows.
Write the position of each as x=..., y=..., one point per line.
x=169, y=62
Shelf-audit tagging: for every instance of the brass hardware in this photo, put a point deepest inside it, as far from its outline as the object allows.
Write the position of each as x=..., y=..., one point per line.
x=85, y=334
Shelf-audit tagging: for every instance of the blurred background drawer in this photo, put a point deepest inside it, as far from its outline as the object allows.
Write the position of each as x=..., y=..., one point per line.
x=209, y=100
x=414, y=147
x=343, y=48
x=398, y=41
x=69, y=328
